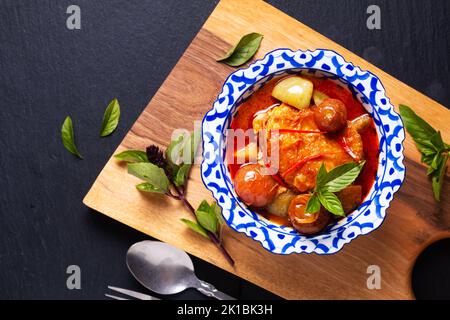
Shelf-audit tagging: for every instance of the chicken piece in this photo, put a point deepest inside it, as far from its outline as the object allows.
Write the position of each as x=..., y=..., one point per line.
x=294, y=147
x=259, y=121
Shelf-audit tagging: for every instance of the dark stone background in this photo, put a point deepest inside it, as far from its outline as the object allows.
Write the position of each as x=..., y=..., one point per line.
x=125, y=49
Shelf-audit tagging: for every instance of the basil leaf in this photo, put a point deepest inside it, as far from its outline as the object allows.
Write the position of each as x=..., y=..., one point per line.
x=334, y=173
x=132, y=156
x=428, y=159
x=150, y=173
x=243, y=51
x=191, y=146
x=148, y=187
x=419, y=129
x=430, y=148
x=172, y=169
x=181, y=175
x=218, y=212
x=425, y=146
x=437, y=141
x=220, y=221
x=331, y=203
x=321, y=178
x=313, y=204
x=196, y=227
x=68, y=138
x=110, y=118
x=174, y=150
x=342, y=176
x=436, y=162
x=204, y=206
x=206, y=217
x=430, y=169
x=207, y=220
x=437, y=179
x=183, y=149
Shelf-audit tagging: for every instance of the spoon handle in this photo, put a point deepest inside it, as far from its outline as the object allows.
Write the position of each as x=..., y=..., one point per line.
x=210, y=291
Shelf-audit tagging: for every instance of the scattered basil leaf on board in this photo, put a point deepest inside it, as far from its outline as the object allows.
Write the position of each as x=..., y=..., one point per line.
x=435, y=152
x=110, y=118
x=152, y=174
x=132, y=156
x=68, y=137
x=327, y=183
x=196, y=227
x=243, y=51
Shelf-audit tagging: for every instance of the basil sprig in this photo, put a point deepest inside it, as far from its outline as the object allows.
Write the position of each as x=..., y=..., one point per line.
x=160, y=169
x=243, y=51
x=328, y=183
x=68, y=137
x=435, y=152
x=167, y=172
x=110, y=118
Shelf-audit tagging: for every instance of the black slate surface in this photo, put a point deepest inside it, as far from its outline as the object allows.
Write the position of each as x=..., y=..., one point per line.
x=125, y=49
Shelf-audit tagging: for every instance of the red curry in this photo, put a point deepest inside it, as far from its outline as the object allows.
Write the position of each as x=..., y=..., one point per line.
x=331, y=128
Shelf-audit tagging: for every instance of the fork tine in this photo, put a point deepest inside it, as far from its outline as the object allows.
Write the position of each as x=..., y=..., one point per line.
x=134, y=294
x=115, y=297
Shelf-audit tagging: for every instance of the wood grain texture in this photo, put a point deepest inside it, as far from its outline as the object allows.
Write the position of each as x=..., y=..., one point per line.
x=413, y=221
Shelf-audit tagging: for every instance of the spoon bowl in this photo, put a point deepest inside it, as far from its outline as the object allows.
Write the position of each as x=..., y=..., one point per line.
x=165, y=269
x=160, y=267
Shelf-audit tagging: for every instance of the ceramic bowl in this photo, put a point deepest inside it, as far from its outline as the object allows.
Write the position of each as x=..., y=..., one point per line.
x=366, y=87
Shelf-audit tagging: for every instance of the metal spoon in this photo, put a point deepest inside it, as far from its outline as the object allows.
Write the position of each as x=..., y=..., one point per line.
x=165, y=269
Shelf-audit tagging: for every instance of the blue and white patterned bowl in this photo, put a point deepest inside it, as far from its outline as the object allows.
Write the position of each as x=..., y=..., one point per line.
x=368, y=90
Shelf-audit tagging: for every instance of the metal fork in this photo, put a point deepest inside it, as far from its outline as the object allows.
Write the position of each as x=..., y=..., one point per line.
x=130, y=293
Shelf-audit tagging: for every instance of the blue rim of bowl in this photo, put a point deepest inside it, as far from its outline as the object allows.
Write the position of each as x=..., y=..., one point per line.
x=330, y=231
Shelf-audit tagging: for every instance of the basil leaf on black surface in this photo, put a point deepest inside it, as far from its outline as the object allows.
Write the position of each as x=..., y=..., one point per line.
x=110, y=118
x=68, y=137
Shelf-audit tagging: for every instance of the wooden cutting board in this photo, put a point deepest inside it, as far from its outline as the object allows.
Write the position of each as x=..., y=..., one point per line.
x=414, y=219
